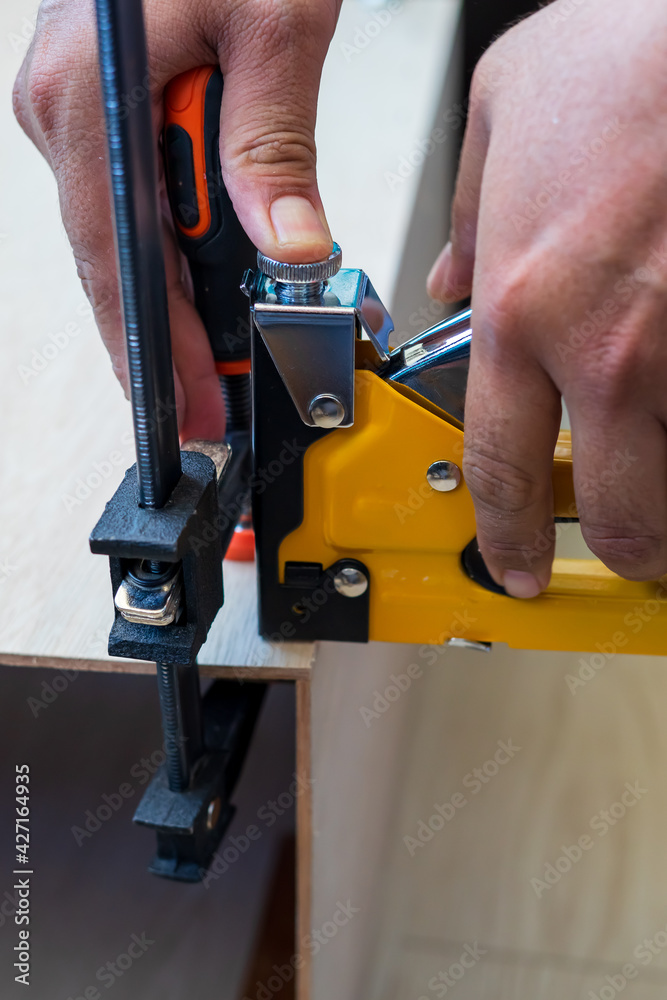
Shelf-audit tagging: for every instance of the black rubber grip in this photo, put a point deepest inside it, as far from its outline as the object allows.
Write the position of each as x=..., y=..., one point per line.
x=218, y=258
x=181, y=173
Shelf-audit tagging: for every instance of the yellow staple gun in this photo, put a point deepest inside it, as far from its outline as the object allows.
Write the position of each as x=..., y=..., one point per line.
x=365, y=528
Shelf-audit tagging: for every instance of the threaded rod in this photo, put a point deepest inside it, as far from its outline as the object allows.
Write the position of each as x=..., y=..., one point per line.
x=140, y=257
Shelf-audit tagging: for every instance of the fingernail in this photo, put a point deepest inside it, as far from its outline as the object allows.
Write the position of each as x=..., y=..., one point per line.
x=438, y=278
x=296, y=223
x=519, y=584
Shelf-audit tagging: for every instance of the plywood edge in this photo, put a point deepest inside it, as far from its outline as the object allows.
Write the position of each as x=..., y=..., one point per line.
x=304, y=837
x=143, y=667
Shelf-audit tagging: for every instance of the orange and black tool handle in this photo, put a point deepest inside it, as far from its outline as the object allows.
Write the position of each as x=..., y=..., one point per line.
x=209, y=233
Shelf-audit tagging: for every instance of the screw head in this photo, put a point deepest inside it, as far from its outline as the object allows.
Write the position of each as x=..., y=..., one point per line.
x=443, y=476
x=350, y=582
x=326, y=411
x=213, y=814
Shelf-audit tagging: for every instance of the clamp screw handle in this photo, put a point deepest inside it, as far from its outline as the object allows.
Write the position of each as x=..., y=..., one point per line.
x=301, y=274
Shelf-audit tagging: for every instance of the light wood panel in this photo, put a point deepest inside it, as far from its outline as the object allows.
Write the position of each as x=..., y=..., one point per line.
x=66, y=426
x=471, y=881
x=305, y=876
x=502, y=975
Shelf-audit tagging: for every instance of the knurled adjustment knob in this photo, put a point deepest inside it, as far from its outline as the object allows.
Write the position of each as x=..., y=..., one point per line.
x=299, y=274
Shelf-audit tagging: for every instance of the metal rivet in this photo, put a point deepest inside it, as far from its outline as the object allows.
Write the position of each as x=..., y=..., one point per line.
x=213, y=814
x=443, y=476
x=326, y=411
x=351, y=582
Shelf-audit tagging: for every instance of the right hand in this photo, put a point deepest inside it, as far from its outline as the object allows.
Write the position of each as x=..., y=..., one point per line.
x=271, y=55
x=559, y=218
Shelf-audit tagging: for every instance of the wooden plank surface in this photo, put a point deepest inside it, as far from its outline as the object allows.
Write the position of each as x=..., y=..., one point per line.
x=505, y=868
x=66, y=426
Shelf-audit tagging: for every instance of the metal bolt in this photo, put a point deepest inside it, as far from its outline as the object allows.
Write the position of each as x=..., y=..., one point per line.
x=351, y=582
x=326, y=411
x=443, y=476
x=213, y=814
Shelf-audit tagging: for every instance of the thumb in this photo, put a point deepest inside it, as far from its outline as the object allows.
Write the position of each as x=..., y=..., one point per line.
x=451, y=276
x=267, y=135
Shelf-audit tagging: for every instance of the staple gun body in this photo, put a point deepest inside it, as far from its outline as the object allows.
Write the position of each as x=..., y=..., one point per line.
x=370, y=534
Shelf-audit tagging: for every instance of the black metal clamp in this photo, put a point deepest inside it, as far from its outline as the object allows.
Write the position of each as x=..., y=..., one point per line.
x=162, y=530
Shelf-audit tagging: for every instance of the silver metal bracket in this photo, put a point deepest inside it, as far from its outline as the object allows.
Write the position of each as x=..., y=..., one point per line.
x=313, y=344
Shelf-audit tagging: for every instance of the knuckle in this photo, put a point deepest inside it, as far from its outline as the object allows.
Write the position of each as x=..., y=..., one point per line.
x=100, y=285
x=507, y=296
x=484, y=69
x=58, y=65
x=288, y=23
x=20, y=104
x=45, y=87
x=613, y=366
x=628, y=551
x=492, y=71
x=288, y=153
x=496, y=480
x=509, y=553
